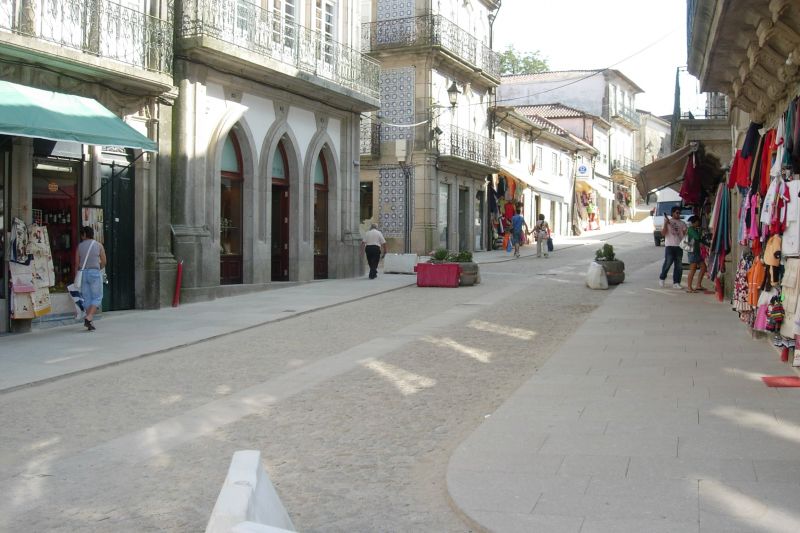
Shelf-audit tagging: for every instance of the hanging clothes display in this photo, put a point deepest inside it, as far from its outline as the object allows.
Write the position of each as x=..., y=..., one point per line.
x=31, y=271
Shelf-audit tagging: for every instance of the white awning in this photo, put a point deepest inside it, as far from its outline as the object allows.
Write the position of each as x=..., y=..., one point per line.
x=602, y=191
x=540, y=187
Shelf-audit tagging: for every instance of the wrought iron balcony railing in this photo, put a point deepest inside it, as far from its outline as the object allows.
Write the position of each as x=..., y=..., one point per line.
x=627, y=114
x=626, y=165
x=430, y=30
x=370, y=138
x=464, y=144
x=274, y=36
x=97, y=27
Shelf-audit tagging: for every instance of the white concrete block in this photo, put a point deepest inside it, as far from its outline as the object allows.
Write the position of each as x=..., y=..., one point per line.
x=248, y=499
x=399, y=263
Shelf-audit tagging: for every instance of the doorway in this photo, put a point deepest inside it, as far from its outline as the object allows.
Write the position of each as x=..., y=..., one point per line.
x=280, y=232
x=280, y=215
x=231, y=213
x=321, y=219
x=117, y=200
x=463, y=219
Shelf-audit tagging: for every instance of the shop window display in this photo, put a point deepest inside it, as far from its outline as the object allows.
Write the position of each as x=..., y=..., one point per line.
x=55, y=206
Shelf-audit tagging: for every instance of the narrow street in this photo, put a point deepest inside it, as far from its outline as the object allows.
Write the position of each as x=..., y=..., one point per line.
x=356, y=408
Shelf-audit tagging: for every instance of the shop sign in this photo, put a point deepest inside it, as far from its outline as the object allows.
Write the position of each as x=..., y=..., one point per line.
x=584, y=171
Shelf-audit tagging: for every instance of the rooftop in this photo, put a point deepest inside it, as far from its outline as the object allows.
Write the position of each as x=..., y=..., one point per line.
x=551, y=111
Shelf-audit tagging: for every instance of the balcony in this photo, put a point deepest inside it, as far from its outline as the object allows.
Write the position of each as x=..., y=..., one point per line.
x=627, y=115
x=432, y=31
x=463, y=149
x=101, y=38
x=625, y=165
x=260, y=43
x=370, y=139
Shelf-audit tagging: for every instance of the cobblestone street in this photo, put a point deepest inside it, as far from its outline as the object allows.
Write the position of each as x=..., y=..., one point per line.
x=356, y=408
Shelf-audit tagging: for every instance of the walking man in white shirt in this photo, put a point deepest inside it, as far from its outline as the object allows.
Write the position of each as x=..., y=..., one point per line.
x=373, y=245
x=673, y=231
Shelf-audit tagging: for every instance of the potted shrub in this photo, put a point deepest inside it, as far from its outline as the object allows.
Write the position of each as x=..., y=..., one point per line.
x=470, y=273
x=615, y=269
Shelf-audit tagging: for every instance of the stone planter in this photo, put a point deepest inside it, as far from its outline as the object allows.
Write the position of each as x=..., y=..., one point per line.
x=615, y=271
x=470, y=274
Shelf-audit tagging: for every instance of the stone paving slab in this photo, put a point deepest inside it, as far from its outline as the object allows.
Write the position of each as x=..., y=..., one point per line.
x=667, y=422
x=46, y=354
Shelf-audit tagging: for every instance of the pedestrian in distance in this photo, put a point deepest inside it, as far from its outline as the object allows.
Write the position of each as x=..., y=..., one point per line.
x=90, y=258
x=541, y=232
x=695, y=257
x=673, y=230
x=591, y=210
x=374, y=246
x=517, y=223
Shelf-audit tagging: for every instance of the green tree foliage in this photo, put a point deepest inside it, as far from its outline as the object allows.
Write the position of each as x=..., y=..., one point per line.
x=514, y=62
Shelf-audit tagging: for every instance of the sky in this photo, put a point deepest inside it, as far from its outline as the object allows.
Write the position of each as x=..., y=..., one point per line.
x=591, y=34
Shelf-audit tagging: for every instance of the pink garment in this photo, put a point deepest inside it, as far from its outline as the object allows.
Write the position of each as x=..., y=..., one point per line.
x=753, y=232
x=761, y=318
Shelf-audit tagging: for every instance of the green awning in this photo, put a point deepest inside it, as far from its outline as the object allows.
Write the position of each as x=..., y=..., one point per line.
x=29, y=112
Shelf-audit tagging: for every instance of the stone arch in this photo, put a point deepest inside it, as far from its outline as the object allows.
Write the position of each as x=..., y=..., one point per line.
x=231, y=121
x=322, y=142
x=281, y=131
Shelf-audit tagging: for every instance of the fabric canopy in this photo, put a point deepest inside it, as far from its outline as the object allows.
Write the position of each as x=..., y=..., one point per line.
x=29, y=112
x=520, y=174
x=602, y=191
x=664, y=172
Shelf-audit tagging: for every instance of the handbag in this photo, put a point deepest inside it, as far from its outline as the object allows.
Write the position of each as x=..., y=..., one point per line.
x=79, y=274
x=549, y=244
x=687, y=245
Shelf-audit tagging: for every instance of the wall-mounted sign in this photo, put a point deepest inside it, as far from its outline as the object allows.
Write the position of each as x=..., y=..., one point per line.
x=584, y=171
x=52, y=186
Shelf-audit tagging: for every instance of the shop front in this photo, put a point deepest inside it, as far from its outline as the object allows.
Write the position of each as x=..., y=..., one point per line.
x=591, y=201
x=67, y=163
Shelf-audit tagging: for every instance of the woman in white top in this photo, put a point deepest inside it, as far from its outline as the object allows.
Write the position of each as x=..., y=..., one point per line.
x=91, y=257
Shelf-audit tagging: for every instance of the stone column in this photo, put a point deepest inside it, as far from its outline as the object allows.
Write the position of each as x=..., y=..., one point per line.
x=191, y=234
x=160, y=265
x=352, y=262
x=21, y=197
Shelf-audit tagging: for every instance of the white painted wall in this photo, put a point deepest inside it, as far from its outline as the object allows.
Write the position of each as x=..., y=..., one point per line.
x=586, y=94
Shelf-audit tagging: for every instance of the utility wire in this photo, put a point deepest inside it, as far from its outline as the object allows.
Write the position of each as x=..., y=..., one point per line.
x=572, y=82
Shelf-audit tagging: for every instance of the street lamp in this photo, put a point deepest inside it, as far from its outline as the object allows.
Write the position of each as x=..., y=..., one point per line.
x=452, y=93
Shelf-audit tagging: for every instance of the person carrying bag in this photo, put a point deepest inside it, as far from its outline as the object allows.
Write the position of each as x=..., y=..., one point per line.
x=541, y=233
x=89, y=280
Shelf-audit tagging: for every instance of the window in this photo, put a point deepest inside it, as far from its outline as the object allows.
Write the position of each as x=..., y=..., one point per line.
x=539, y=157
x=560, y=166
x=517, y=148
x=283, y=22
x=505, y=144
x=554, y=163
x=366, y=200
x=326, y=27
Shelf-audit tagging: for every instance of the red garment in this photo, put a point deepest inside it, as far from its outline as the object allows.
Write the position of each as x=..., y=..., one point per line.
x=740, y=171
x=510, y=211
x=690, y=188
x=766, y=161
